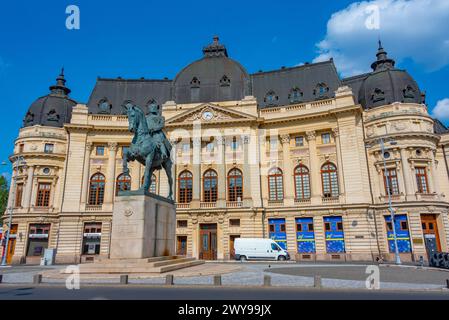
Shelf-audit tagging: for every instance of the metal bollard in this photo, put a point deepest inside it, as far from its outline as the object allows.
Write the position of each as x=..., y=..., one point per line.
x=37, y=279
x=1, y=278
x=124, y=279
x=317, y=281
x=267, y=281
x=217, y=280
x=447, y=283
x=169, y=279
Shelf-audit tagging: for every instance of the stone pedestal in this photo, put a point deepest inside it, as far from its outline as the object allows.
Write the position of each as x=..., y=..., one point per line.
x=143, y=226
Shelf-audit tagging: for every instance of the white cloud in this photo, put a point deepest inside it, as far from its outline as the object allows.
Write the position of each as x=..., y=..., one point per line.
x=441, y=110
x=409, y=29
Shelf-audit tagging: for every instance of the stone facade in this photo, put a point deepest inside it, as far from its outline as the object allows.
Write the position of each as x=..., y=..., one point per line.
x=343, y=202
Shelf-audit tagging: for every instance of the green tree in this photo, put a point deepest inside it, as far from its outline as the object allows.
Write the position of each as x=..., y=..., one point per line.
x=4, y=192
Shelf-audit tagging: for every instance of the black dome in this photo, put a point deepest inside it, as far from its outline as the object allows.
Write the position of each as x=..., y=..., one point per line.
x=52, y=110
x=215, y=77
x=386, y=84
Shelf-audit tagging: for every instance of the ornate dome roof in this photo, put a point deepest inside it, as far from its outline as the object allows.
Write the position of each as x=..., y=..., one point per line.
x=52, y=110
x=386, y=84
x=215, y=77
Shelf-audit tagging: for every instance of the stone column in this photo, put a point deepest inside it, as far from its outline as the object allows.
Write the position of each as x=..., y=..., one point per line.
x=408, y=183
x=434, y=175
x=289, y=192
x=196, y=165
x=110, y=173
x=86, y=172
x=247, y=197
x=341, y=176
x=222, y=174
x=315, y=183
x=28, y=188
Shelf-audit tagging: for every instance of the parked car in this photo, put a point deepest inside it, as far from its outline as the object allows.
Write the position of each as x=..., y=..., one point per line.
x=259, y=249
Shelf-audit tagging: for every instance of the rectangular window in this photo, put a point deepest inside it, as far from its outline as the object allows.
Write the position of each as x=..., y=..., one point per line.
x=92, y=238
x=327, y=226
x=210, y=147
x=282, y=227
x=271, y=228
x=185, y=147
x=234, y=222
x=391, y=185
x=182, y=223
x=298, y=227
x=339, y=226
x=19, y=193
x=234, y=144
x=310, y=226
x=326, y=138
x=421, y=180
x=43, y=195
x=99, y=150
x=21, y=147
x=299, y=141
x=49, y=147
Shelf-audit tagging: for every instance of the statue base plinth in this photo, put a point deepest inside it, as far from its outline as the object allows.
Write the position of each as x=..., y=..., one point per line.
x=143, y=226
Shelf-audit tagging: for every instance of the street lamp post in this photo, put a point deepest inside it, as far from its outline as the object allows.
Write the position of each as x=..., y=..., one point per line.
x=19, y=160
x=390, y=207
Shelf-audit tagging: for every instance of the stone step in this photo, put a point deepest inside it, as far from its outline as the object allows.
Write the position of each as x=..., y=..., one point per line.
x=172, y=261
x=181, y=265
x=140, y=260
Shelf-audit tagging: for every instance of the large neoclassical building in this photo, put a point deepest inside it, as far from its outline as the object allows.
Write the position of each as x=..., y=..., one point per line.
x=293, y=154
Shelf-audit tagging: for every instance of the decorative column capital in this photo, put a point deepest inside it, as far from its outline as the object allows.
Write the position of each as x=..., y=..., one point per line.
x=336, y=132
x=112, y=146
x=89, y=145
x=285, y=138
x=310, y=135
x=246, y=139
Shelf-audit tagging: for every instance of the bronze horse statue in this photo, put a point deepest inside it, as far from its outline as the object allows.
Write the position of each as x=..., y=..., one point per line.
x=149, y=146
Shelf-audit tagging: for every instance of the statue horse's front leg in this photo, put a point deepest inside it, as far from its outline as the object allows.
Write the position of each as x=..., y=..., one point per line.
x=126, y=158
x=148, y=172
x=167, y=164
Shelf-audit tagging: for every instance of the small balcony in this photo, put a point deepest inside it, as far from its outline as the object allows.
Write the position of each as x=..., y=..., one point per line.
x=302, y=202
x=183, y=205
x=330, y=200
x=208, y=205
x=275, y=203
x=234, y=204
x=94, y=208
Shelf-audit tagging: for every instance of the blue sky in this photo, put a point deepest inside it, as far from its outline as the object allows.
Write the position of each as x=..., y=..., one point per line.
x=156, y=39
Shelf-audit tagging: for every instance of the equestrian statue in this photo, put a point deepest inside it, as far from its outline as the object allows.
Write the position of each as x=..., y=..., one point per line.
x=149, y=146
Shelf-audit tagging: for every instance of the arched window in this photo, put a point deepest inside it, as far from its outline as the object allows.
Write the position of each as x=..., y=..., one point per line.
x=153, y=186
x=96, y=190
x=302, y=182
x=235, y=185
x=225, y=81
x=104, y=106
x=123, y=183
x=185, y=182
x=210, y=184
x=195, y=82
x=329, y=180
x=275, y=184
x=377, y=95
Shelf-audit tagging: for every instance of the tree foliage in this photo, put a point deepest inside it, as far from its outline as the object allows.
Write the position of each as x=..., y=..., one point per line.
x=3, y=195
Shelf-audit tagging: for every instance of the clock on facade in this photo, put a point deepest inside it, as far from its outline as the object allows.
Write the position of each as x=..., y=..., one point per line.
x=207, y=115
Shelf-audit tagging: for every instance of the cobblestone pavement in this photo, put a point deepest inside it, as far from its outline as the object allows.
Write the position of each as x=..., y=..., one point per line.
x=252, y=274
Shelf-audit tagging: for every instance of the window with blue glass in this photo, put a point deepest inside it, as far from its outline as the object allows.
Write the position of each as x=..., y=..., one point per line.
x=335, y=237
x=402, y=233
x=305, y=235
x=277, y=232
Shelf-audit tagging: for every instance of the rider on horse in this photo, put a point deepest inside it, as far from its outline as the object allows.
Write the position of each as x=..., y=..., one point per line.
x=156, y=123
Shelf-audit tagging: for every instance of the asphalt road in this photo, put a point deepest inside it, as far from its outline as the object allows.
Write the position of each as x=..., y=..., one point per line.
x=140, y=292
x=387, y=274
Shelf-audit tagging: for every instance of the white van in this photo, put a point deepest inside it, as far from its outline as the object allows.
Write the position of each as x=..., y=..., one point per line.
x=259, y=249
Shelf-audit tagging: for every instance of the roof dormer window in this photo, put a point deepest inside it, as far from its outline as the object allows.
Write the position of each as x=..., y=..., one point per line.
x=195, y=83
x=295, y=95
x=271, y=98
x=409, y=94
x=225, y=81
x=378, y=95
x=104, y=106
x=321, y=91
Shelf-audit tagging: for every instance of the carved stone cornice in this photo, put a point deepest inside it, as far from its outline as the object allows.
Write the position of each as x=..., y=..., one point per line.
x=285, y=138
x=310, y=135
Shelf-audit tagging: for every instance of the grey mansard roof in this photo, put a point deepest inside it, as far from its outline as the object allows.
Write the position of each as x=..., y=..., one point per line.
x=305, y=79
x=216, y=77
x=52, y=110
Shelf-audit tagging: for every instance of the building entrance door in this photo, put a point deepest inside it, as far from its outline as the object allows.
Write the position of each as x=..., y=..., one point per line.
x=181, y=247
x=231, y=245
x=430, y=231
x=208, y=241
